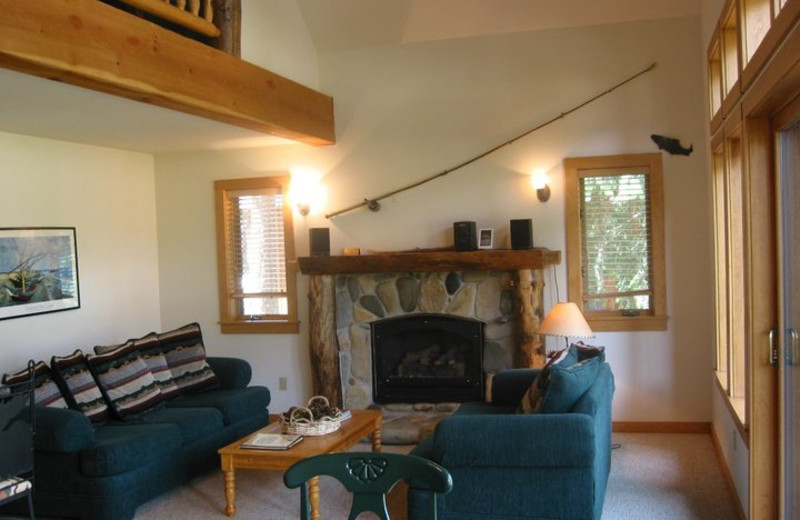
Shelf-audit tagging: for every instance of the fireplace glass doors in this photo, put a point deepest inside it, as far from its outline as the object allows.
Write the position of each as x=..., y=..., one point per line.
x=428, y=358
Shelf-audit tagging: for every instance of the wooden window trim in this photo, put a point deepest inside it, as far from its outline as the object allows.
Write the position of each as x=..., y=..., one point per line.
x=230, y=322
x=614, y=322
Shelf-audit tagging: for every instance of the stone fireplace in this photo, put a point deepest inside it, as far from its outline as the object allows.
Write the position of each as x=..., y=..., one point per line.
x=500, y=289
x=363, y=302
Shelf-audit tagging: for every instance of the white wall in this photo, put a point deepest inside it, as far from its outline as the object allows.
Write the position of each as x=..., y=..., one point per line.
x=404, y=113
x=275, y=37
x=108, y=196
x=187, y=249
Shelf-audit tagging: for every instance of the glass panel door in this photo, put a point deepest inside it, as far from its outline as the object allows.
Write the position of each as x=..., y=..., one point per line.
x=789, y=205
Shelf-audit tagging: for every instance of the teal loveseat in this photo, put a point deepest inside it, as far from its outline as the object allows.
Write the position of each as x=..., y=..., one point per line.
x=99, y=459
x=508, y=465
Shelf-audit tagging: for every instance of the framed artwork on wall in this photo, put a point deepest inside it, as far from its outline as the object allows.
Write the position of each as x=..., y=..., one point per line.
x=38, y=271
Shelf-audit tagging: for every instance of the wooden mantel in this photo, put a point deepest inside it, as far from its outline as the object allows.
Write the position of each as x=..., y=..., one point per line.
x=93, y=45
x=431, y=261
x=323, y=341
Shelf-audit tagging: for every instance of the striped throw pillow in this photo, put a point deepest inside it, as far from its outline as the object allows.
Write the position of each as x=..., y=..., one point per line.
x=127, y=382
x=46, y=391
x=83, y=393
x=149, y=348
x=186, y=357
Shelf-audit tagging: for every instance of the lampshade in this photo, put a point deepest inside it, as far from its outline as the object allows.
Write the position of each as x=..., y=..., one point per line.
x=565, y=320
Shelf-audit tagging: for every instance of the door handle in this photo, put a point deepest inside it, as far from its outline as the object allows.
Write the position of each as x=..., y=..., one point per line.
x=794, y=350
x=773, y=355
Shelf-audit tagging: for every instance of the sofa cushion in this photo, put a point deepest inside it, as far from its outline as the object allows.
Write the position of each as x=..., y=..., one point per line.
x=186, y=357
x=568, y=384
x=149, y=348
x=231, y=372
x=508, y=386
x=121, y=447
x=483, y=408
x=193, y=423
x=46, y=391
x=62, y=430
x=81, y=390
x=532, y=399
x=127, y=382
x=585, y=351
x=235, y=405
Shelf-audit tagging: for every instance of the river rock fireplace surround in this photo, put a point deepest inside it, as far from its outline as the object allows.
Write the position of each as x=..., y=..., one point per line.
x=350, y=295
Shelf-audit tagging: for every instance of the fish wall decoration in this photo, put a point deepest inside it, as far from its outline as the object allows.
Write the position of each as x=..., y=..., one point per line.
x=671, y=145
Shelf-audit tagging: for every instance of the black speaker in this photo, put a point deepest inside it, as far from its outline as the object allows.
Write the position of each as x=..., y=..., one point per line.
x=464, y=236
x=522, y=234
x=319, y=240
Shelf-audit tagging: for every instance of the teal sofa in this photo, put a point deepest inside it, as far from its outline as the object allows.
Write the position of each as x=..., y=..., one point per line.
x=509, y=465
x=105, y=470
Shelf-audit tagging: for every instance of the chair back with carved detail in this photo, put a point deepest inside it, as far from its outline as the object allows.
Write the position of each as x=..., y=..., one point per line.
x=369, y=477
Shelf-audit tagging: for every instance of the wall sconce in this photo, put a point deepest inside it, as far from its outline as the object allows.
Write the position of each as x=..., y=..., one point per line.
x=539, y=182
x=306, y=192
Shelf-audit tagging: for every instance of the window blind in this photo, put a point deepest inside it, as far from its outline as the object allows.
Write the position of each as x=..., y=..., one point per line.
x=616, y=241
x=256, y=252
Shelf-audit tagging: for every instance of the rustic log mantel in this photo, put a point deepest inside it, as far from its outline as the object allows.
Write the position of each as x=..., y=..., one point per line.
x=323, y=344
x=431, y=261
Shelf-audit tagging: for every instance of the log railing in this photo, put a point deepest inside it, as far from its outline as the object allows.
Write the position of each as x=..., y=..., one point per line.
x=195, y=15
x=216, y=23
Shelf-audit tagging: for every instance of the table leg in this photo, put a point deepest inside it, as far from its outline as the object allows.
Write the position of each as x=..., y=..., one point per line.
x=230, y=491
x=313, y=496
x=376, y=440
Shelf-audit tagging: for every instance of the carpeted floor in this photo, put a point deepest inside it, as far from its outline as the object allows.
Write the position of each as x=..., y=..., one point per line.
x=653, y=476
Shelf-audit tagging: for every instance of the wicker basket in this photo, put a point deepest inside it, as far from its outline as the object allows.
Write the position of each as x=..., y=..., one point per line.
x=301, y=421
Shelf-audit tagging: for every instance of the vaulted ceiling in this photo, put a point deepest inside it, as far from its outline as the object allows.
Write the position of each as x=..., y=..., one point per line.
x=356, y=23
x=34, y=106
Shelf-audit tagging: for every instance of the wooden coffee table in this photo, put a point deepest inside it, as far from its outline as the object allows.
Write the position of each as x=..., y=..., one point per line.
x=233, y=456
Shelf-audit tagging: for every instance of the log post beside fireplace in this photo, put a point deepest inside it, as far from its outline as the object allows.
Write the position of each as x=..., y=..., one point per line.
x=322, y=338
x=528, y=296
x=526, y=266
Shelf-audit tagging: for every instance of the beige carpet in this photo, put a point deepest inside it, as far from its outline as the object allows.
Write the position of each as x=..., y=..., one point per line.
x=653, y=476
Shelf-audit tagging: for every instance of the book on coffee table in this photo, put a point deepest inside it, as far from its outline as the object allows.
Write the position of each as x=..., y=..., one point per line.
x=271, y=441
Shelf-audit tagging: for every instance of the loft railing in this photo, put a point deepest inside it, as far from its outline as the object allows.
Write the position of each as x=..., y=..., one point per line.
x=214, y=22
x=195, y=15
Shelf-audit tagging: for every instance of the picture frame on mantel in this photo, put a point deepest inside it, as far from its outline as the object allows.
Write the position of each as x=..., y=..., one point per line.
x=485, y=238
x=38, y=271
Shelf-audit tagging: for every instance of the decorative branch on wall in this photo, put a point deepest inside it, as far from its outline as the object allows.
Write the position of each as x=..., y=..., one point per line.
x=374, y=203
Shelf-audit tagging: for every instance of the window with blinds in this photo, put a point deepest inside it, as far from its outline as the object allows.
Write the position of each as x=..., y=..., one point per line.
x=254, y=229
x=615, y=225
x=615, y=240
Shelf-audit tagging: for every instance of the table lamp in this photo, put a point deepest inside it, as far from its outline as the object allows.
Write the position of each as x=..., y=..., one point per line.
x=565, y=320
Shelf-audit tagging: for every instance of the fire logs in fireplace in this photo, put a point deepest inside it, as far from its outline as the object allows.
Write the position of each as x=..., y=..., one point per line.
x=427, y=358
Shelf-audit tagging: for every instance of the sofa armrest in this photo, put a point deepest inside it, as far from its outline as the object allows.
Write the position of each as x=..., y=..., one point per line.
x=509, y=386
x=62, y=430
x=535, y=440
x=232, y=373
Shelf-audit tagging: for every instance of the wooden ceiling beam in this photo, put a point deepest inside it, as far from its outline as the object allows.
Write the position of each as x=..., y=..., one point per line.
x=93, y=45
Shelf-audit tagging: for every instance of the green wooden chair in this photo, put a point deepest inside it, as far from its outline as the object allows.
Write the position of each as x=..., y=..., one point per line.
x=369, y=476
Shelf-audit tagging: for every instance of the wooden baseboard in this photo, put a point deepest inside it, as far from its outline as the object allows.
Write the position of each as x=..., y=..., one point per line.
x=661, y=427
x=726, y=475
